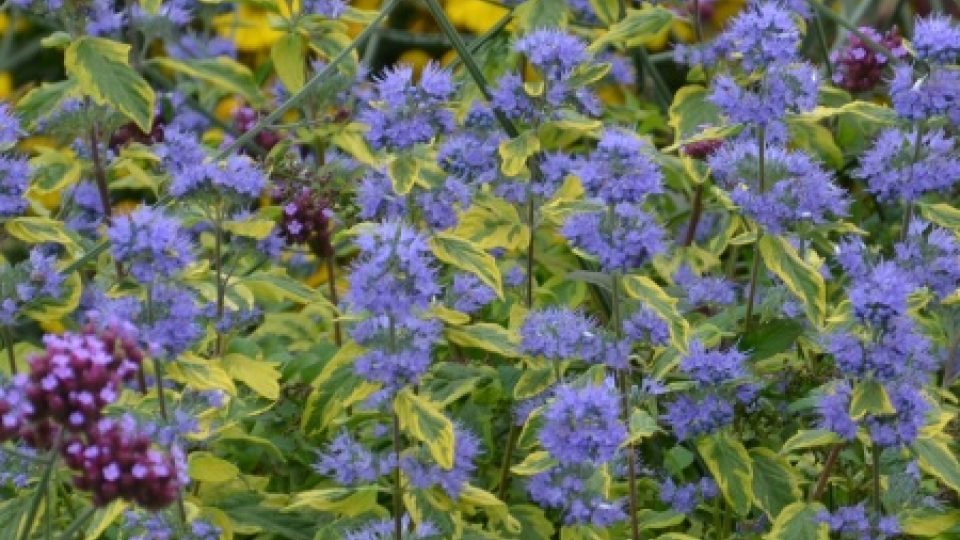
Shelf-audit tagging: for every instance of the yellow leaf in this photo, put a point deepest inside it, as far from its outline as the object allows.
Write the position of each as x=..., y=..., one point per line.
x=206, y=467
x=261, y=376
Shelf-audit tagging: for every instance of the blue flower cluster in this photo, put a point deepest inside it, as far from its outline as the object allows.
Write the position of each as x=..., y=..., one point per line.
x=351, y=463
x=684, y=498
x=424, y=473
x=14, y=171
x=192, y=171
x=894, y=168
x=853, y=520
x=150, y=243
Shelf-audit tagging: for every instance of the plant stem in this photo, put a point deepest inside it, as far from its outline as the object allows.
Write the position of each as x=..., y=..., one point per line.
x=397, y=488
x=505, y=465
x=696, y=211
x=78, y=524
x=334, y=299
x=822, y=38
x=824, y=478
x=41, y=489
x=218, y=266
x=661, y=90
x=755, y=270
x=11, y=354
x=617, y=324
x=99, y=173
x=877, y=504
x=908, y=206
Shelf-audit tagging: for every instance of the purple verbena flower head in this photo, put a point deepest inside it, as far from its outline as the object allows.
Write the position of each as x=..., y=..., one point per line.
x=858, y=68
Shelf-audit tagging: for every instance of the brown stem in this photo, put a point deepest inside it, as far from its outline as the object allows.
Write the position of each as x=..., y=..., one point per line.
x=696, y=211
x=505, y=466
x=825, y=473
x=100, y=175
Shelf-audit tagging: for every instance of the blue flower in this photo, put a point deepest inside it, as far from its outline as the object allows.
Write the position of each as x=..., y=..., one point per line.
x=423, y=473
x=937, y=40
x=930, y=254
x=384, y=530
x=377, y=200
x=712, y=367
x=440, y=206
x=646, y=326
x=86, y=213
x=893, y=169
x=175, y=327
x=684, y=498
x=10, y=131
x=705, y=290
x=469, y=293
x=553, y=52
x=152, y=244
x=763, y=35
x=43, y=278
x=558, y=333
x=573, y=491
x=582, y=425
x=689, y=417
x=620, y=240
x=618, y=171
x=351, y=463
x=834, y=411
x=785, y=88
x=14, y=181
x=934, y=94
x=395, y=273
x=882, y=295
x=398, y=352
x=332, y=9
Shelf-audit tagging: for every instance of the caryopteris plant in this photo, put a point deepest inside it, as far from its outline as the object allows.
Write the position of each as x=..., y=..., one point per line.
x=476, y=270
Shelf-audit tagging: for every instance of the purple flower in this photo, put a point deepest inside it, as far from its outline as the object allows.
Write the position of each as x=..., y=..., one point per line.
x=191, y=46
x=902, y=428
x=86, y=213
x=618, y=171
x=384, y=530
x=510, y=98
x=351, y=463
x=573, y=491
x=834, y=411
x=558, y=334
x=440, y=206
x=858, y=68
x=14, y=181
x=102, y=19
x=622, y=239
x=402, y=114
x=175, y=327
x=423, y=473
x=377, y=200
x=582, y=425
x=689, y=417
x=930, y=254
x=882, y=295
x=395, y=273
x=470, y=157
x=150, y=243
x=9, y=126
x=684, y=498
x=397, y=354
x=705, y=290
x=43, y=278
x=763, y=35
x=785, y=88
x=332, y=9
x=553, y=52
x=894, y=169
x=713, y=367
x=934, y=94
x=469, y=293
x=795, y=189
x=646, y=326
x=936, y=40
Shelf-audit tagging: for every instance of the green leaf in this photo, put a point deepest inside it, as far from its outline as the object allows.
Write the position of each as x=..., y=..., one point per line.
x=691, y=112
x=261, y=376
x=288, y=54
x=730, y=465
x=809, y=438
x=44, y=100
x=201, y=374
x=535, y=463
x=103, y=518
x=39, y=230
x=799, y=522
x=815, y=139
x=800, y=278
x=206, y=467
x=534, y=381
x=338, y=500
x=54, y=309
x=647, y=291
x=222, y=72
x=534, y=14
x=652, y=519
x=277, y=286
x=870, y=397
x=938, y=460
x=942, y=214
x=102, y=70
x=258, y=229
x=424, y=422
x=404, y=171
x=638, y=26
x=515, y=152
x=485, y=336
x=642, y=425
x=770, y=338
x=491, y=223
x=55, y=170
x=864, y=111
x=469, y=257
x=775, y=484
x=533, y=522
x=928, y=523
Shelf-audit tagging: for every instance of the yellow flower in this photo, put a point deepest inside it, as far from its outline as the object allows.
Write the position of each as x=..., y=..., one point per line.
x=6, y=84
x=474, y=15
x=248, y=27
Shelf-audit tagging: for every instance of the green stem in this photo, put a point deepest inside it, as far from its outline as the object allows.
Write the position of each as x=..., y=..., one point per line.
x=825, y=49
x=78, y=524
x=617, y=323
x=755, y=270
x=877, y=504
x=661, y=90
x=8, y=345
x=41, y=488
x=505, y=465
x=218, y=267
x=334, y=299
x=397, y=488
x=908, y=206
x=100, y=175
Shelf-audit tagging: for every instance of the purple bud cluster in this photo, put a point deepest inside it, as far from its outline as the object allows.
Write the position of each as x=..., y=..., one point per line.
x=857, y=67
x=306, y=219
x=63, y=398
